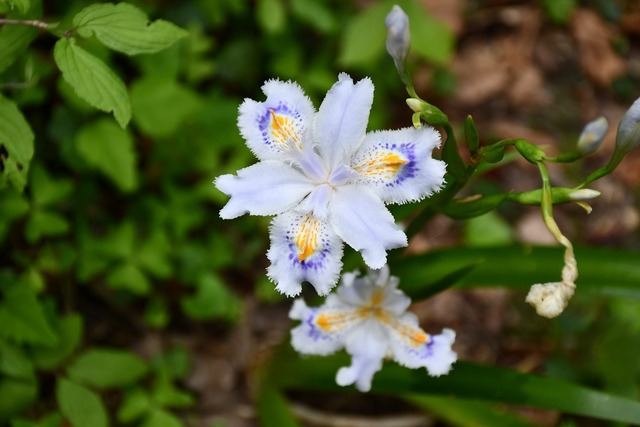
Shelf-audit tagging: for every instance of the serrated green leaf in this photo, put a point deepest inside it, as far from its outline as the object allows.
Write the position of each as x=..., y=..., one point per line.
x=44, y=223
x=22, y=318
x=79, y=405
x=14, y=363
x=129, y=277
x=161, y=418
x=111, y=150
x=16, y=145
x=69, y=329
x=125, y=28
x=107, y=368
x=16, y=396
x=92, y=80
x=161, y=105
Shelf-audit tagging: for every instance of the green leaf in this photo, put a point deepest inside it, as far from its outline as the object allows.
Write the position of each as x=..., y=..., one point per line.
x=271, y=15
x=431, y=38
x=274, y=410
x=602, y=270
x=14, y=363
x=14, y=39
x=107, y=368
x=135, y=404
x=46, y=190
x=161, y=418
x=23, y=319
x=52, y=420
x=364, y=37
x=161, y=105
x=471, y=135
x=16, y=145
x=81, y=406
x=92, y=79
x=13, y=205
x=69, y=329
x=43, y=223
x=467, y=413
x=129, y=277
x=212, y=299
x=466, y=380
x=125, y=28
x=471, y=207
x=15, y=396
x=153, y=255
x=111, y=150
x=558, y=11
x=317, y=14
x=20, y=6
x=489, y=229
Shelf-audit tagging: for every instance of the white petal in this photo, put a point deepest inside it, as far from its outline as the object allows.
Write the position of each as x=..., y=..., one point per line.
x=367, y=344
x=398, y=164
x=341, y=121
x=266, y=188
x=414, y=348
x=360, y=218
x=303, y=247
x=360, y=372
x=273, y=126
x=322, y=329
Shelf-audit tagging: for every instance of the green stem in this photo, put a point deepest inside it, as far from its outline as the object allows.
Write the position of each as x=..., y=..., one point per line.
x=28, y=22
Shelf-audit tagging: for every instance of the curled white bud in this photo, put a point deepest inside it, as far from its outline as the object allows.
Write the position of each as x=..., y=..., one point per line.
x=592, y=136
x=583, y=194
x=398, y=37
x=629, y=129
x=550, y=299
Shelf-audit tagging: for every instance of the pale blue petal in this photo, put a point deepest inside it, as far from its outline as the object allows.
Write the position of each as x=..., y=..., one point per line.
x=413, y=348
x=322, y=329
x=303, y=247
x=341, y=122
x=360, y=218
x=266, y=188
x=274, y=126
x=398, y=164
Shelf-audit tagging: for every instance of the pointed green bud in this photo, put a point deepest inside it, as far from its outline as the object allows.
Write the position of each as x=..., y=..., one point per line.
x=398, y=36
x=471, y=134
x=583, y=194
x=417, y=105
x=628, y=136
x=592, y=136
x=529, y=151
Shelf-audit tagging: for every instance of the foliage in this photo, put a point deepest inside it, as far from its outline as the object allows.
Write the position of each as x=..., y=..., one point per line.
x=114, y=120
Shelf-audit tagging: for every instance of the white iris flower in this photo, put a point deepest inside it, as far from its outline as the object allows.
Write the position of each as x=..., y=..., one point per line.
x=327, y=180
x=367, y=317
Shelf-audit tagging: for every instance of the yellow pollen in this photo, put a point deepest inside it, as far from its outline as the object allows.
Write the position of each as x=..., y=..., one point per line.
x=307, y=238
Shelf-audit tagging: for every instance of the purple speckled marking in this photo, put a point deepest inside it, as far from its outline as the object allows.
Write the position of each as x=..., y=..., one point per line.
x=315, y=262
x=409, y=169
x=312, y=331
x=264, y=121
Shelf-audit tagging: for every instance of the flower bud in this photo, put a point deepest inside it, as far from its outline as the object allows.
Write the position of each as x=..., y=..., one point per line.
x=592, y=136
x=398, y=37
x=629, y=129
x=583, y=194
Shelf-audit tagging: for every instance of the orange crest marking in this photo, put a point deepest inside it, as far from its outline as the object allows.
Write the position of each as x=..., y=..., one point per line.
x=383, y=164
x=283, y=129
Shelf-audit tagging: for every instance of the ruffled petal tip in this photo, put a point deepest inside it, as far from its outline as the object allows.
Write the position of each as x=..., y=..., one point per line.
x=360, y=373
